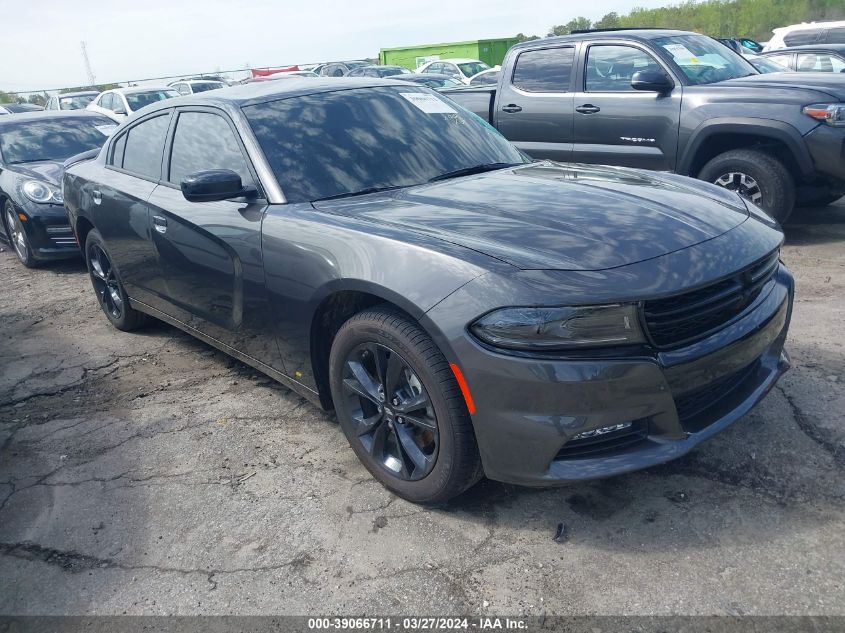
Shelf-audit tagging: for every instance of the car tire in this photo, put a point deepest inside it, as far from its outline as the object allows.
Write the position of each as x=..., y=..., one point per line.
x=107, y=286
x=415, y=436
x=756, y=176
x=17, y=236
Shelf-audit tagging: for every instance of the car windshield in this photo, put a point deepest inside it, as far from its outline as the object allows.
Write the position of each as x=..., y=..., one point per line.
x=349, y=141
x=78, y=102
x=473, y=68
x=767, y=65
x=704, y=60
x=206, y=85
x=52, y=139
x=138, y=100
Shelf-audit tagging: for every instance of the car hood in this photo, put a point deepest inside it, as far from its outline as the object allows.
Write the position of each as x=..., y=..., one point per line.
x=831, y=83
x=45, y=170
x=554, y=216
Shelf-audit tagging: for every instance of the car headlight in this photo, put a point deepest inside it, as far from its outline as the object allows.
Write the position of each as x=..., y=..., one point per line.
x=41, y=192
x=560, y=328
x=831, y=113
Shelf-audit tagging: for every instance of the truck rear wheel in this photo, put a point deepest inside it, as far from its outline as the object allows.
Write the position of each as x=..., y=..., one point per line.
x=756, y=176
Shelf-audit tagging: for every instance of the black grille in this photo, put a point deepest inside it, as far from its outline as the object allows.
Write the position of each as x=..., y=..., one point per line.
x=609, y=442
x=697, y=402
x=693, y=315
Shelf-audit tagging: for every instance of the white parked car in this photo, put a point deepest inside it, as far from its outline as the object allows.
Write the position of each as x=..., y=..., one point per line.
x=122, y=102
x=193, y=86
x=807, y=33
x=460, y=69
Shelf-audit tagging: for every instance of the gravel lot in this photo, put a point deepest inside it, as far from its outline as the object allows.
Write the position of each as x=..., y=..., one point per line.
x=148, y=473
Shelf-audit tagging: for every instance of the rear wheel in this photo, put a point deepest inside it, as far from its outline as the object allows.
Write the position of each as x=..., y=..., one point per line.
x=756, y=176
x=17, y=236
x=400, y=407
x=107, y=286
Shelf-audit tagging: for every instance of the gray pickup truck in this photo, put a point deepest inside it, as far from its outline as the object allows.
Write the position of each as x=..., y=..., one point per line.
x=672, y=101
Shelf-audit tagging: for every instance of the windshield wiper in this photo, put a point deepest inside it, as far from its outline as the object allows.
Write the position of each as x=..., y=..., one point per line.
x=360, y=192
x=29, y=160
x=475, y=169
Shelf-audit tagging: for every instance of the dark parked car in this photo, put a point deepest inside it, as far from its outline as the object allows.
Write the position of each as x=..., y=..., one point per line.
x=827, y=58
x=742, y=45
x=431, y=80
x=337, y=69
x=381, y=72
x=464, y=311
x=71, y=100
x=33, y=148
x=16, y=108
x=672, y=101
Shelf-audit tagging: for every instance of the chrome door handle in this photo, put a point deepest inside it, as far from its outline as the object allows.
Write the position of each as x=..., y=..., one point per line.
x=511, y=107
x=588, y=108
x=160, y=223
x=97, y=196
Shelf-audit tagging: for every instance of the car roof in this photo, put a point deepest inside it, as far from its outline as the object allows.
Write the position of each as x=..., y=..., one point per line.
x=455, y=60
x=642, y=35
x=263, y=91
x=50, y=114
x=839, y=48
x=80, y=93
x=423, y=76
x=135, y=89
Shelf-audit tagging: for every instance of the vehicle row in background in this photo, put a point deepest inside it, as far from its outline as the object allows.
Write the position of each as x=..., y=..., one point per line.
x=817, y=58
x=16, y=108
x=120, y=103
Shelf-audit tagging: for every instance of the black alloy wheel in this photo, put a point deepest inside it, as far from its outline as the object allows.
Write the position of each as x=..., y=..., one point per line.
x=107, y=286
x=105, y=282
x=391, y=410
x=400, y=406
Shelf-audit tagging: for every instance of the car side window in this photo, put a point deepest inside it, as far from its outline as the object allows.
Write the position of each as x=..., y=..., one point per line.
x=145, y=146
x=117, y=102
x=183, y=89
x=106, y=102
x=820, y=63
x=544, y=70
x=610, y=68
x=117, y=149
x=205, y=141
x=835, y=35
x=783, y=60
x=803, y=36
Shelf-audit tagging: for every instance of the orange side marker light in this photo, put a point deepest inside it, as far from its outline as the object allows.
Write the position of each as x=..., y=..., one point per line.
x=462, y=383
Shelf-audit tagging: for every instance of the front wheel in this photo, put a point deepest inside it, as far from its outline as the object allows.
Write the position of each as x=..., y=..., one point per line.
x=401, y=408
x=17, y=236
x=107, y=286
x=756, y=176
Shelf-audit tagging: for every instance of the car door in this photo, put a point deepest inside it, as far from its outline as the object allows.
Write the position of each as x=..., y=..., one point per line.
x=617, y=125
x=209, y=253
x=784, y=59
x=120, y=212
x=534, y=105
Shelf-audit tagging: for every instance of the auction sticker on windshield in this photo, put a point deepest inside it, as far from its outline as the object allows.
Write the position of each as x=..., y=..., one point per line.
x=679, y=51
x=428, y=103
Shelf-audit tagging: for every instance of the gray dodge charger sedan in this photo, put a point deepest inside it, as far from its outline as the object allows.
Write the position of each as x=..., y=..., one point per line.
x=464, y=311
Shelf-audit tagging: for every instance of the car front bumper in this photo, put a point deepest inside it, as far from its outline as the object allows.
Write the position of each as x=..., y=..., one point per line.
x=50, y=235
x=528, y=409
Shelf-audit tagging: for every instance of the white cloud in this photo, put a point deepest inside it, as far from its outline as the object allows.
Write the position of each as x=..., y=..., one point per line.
x=150, y=38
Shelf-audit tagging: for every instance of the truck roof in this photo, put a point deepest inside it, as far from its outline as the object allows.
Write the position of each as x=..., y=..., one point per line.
x=594, y=34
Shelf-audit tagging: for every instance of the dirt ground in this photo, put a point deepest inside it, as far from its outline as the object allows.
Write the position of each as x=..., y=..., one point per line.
x=148, y=473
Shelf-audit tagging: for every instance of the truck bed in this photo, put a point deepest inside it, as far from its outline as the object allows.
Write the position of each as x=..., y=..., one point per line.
x=477, y=99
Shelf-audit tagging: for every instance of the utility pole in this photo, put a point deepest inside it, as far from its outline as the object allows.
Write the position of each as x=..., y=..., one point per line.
x=91, y=79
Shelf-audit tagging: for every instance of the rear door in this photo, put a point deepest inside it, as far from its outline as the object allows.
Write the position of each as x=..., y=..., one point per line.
x=133, y=170
x=617, y=125
x=534, y=104
x=209, y=253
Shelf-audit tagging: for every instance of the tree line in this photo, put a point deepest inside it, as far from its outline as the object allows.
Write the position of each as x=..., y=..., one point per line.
x=717, y=18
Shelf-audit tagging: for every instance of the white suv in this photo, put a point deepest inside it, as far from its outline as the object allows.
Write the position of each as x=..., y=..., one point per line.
x=807, y=33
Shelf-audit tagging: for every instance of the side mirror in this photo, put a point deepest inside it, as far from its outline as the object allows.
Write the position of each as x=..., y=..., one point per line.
x=652, y=81
x=213, y=185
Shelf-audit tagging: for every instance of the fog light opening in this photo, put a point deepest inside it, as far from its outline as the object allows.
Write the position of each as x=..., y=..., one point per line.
x=602, y=431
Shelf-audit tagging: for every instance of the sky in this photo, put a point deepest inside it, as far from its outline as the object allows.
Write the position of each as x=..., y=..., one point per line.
x=152, y=38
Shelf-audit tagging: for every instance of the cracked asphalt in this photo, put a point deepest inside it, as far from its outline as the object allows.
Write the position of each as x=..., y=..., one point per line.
x=150, y=474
